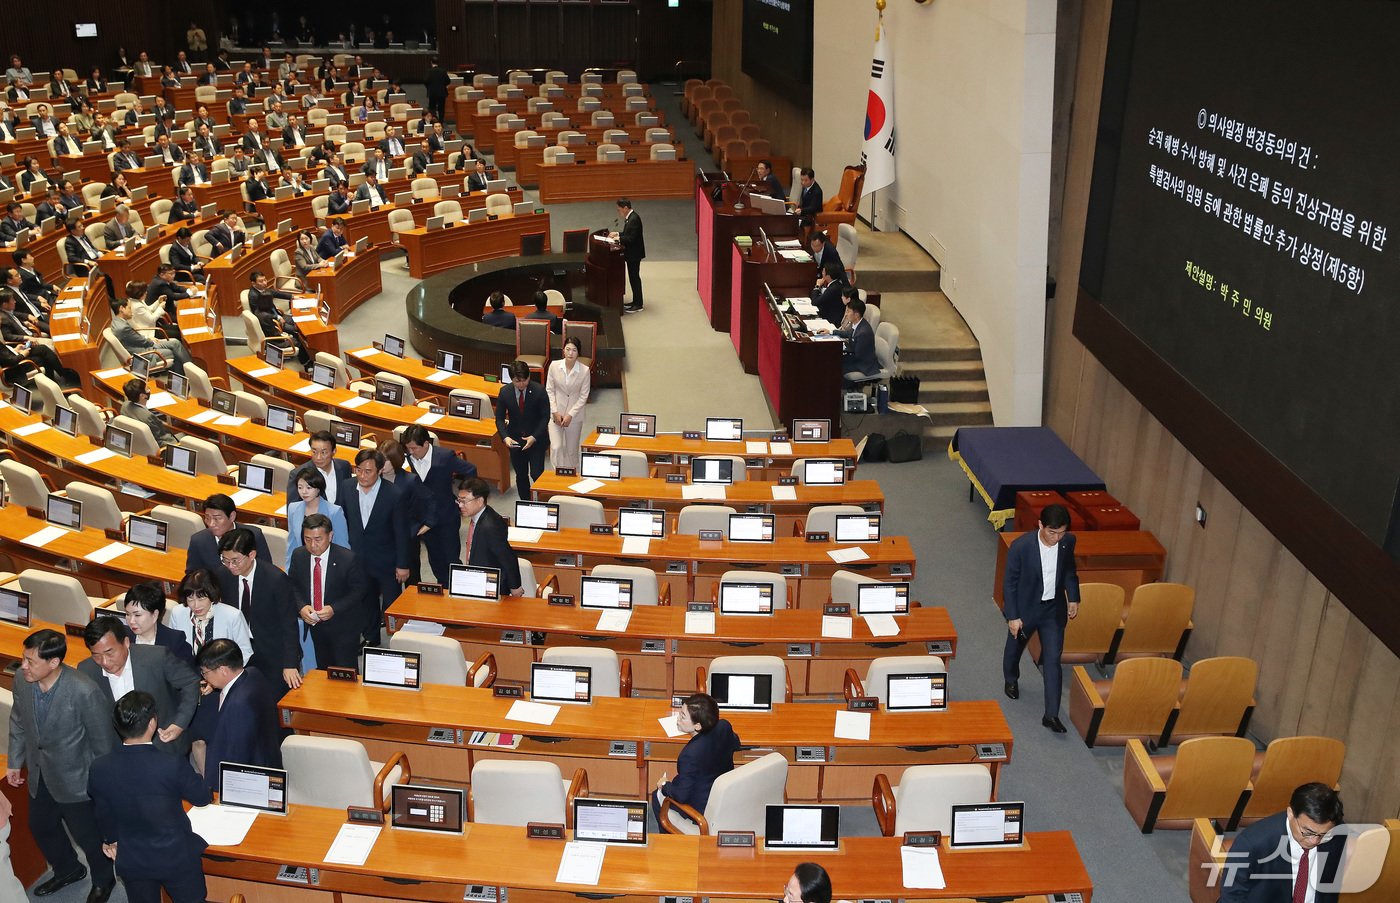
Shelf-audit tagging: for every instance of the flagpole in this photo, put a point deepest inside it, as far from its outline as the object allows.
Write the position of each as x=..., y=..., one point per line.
x=879, y=24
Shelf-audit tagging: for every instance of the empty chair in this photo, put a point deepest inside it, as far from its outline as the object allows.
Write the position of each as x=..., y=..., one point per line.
x=532, y=244
x=609, y=676
x=1158, y=622
x=925, y=796
x=847, y=246
x=276, y=537
x=143, y=442
x=402, y=382
x=252, y=328
x=575, y=240
x=771, y=665
x=424, y=187
x=844, y=587
x=660, y=148
x=26, y=486
x=577, y=513
x=182, y=522
x=634, y=463
x=7, y=701
x=246, y=404
x=400, y=220
x=1218, y=699
x=450, y=211
x=822, y=518
x=281, y=470
x=498, y=204
x=616, y=136
x=656, y=134
x=333, y=772
x=516, y=793
x=201, y=386
x=522, y=137
x=1136, y=703
x=92, y=420
x=644, y=583
x=738, y=800
x=740, y=468
x=1091, y=634
x=100, y=510
x=57, y=598
x=532, y=343
x=442, y=662
x=782, y=597
x=694, y=518
x=877, y=674
x=604, y=149
x=1207, y=778
x=1288, y=763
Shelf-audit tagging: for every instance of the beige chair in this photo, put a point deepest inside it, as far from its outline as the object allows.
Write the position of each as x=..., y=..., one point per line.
x=522, y=137
x=57, y=598
x=7, y=702
x=771, y=665
x=659, y=147
x=400, y=221
x=844, y=587
x=1157, y=622
x=694, y=518
x=1137, y=703
x=183, y=524
x=782, y=593
x=442, y=662
x=92, y=420
x=208, y=459
x=276, y=537
x=633, y=464
x=404, y=385
x=498, y=204
x=160, y=208
x=925, y=796
x=1207, y=778
x=515, y=793
x=604, y=148
x=253, y=330
x=343, y=376
x=334, y=772
x=246, y=404
x=738, y=801
x=425, y=187
x=644, y=583
x=610, y=677
x=577, y=513
x=143, y=441
x=201, y=385
x=822, y=518
x=1286, y=764
x=353, y=152
x=877, y=674
x=483, y=400
x=450, y=211
x=554, y=120
x=25, y=485
x=100, y=510
x=565, y=135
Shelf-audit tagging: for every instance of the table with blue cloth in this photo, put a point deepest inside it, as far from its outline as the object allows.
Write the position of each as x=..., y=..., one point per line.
x=1004, y=460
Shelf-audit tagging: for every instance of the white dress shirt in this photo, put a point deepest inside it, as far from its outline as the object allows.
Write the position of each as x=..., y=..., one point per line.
x=422, y=465
x=122, y=683
x=1049, y=564
x=367, y=499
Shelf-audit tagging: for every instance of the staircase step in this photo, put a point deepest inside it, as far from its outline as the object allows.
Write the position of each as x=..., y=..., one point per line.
x=952, y=390
x=960, y=413
x=937, y=371
x=917, y=354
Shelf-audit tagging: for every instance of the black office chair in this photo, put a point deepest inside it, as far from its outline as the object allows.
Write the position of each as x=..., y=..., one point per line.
x=575, y=241
x=532, y=244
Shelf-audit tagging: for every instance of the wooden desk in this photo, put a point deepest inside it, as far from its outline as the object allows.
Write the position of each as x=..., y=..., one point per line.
x=752, y=269
x=443, y=249
x=716, y=224
x=348, y=286
x=671, y=452
x=386, y=719
x=526, y=161
x=592, y=181
x=1128, y=558
x=425, y=378
x=223, y=195
x=475, y=439
x=801, y=377
x=480, y=626
x=231, y=277
x=140, y=264
x=67, y=553
x=297, y=209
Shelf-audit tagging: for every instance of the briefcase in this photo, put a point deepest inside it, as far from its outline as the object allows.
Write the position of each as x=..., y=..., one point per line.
x=905, y=446
x=904, y=389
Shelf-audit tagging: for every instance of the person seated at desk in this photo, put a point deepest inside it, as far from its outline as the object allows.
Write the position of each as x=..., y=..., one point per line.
x=184, y=207
x=204, y=143
x=809, y=884
x=858, y=359
x=253, y=138
x=33, y=172
x=371, y=191
x=168, y=78
x=84, y=120
x=437, y=138
x=118, y=228
x=334, y=171
x=422, y=159
x=392, y=144
x=379, y=166
x=293, y=133
x=366, y=106
x=823, y=252
x=478, y=179
x=168, y=151
x=269, y=158
x=64, y=144
x=58, y=85
x=51, y=207
x=143, y=66
x=70, y=196
x=194, y=172
x=117, y=188
x=827, y=296
x=7, y=127
x=498, y=316
x=256, y=186
x=294, y=180
x=226, y=234
x=132, y=119
x=277, y=119
x=771, y=186
x=239, y=163
x=138, y=394
x=221, y=62
x=82, y=254
x=44, y=122
x=209, y=76
x=30, y=290
x=306, y=258
x=262, y=298
x=203, y=117
x=426, y=123
x=13, y=223
x=542, y=312
x=95, y=83
x=708, y=754
x=145, y=609
x=312, y=98
x=104, y=132
x=465, y=159
x=125, y=158
x=183, y=257
x=17, y=325
x=14, y=352
x=340, y=201
x=172, y=350
x=165, y=293
x=332, y=240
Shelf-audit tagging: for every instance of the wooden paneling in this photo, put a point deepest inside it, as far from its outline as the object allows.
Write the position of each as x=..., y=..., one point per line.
x=42, y=33
x=1321, y=670
x=787, y=125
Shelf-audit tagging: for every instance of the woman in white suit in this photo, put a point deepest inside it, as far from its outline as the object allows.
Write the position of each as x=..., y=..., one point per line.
x=567, y=388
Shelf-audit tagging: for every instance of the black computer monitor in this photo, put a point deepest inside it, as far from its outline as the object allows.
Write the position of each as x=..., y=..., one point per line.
x=388, y=392
x=323, y=374
x=390, y=668
x=857, y=528
x=711, y=470
x=988, y=825
x=561, y=683
x=281, y=419
x=256, y=477
x=648, y=522
x=253, y=787
x=811, y=430
x=926, y=691
x=147, y=532
x=724, y=429
x=537, y=515
x=605, y=592
x=636, y=424
x=748, y=692
x=118, y=440
x=472, y=582
x=346, y=434
x=14, y=606
x=882, y=599
x=802, y=827
x=600, y=467
x=415, y=807
x=824, y=471
x=224, y=401
x=393, y=344
x=751, y=527
x=449, y=361
x=610, y=821
x=468, y=406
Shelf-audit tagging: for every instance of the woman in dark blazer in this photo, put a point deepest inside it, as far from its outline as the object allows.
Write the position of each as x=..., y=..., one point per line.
x=708, y=754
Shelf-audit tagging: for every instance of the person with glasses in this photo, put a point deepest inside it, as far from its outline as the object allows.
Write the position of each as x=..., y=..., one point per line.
x=809, y=884
x=246, y=730
x=377, y=531
x=485, y=541
x=1289, y=857
x=220, y=516
x=265, y=597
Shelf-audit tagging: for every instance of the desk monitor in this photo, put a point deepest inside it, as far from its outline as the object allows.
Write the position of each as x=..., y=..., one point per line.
x=724, y=429
x=417, y=808
x=711, y=470
x=403, y=199
x=118, y=440
x=600, y=467
x=14, y=606
x=648, y=522
x=346, y=434
x=610, y=821
x=272, y=355
x=882, y=599
x=23, y=398
x=473, y=582
x=179, y=459
x=636, y=424
x=286, y=225
x=505, y=374
x=477, y=215
x=66, y=419
x=750, y=528
x=224, y=401
x=254, y=476
x=177, y=384
x=802, y=827
x=281, y=419
x=282, y=192
x=253, y=787
x=434, y=223
x=770, y=206
x=566, y=159
x=393, y=345
x=359, y=207
x=451, y=361
x=824, y=471
x=147, y=532
x=495, y=186
x=361, y=244
x=64, y=512
x=561, y=683
x=388, y=392
x=390, y=668
x=523, y=208
x=923, y=692
x=750, y=692
x=857, y=528
x=142, y=363
x=664, y=153
x=323, y=374
x=537, y=515
x=468, y=406
x=746, y=598
x=605, y=592
x=988, y=825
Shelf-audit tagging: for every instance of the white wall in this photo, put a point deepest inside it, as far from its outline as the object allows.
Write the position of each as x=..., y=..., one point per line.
x=974, y=86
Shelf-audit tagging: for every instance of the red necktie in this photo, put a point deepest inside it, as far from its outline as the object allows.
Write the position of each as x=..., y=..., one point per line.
x=467, y=549
x=520, y=400
x=1300, y=886
x=316, y=600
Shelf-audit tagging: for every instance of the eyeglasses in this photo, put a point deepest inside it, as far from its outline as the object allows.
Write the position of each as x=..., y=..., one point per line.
x=232, y=562
x=1312, y=835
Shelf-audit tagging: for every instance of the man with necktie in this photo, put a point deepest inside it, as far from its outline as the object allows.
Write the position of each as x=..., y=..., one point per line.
x=392, y=145
x=332, y=594
x=1289, y=857
x=379, y=166
x=265, y=596
x=522, y=420
x=485, y=535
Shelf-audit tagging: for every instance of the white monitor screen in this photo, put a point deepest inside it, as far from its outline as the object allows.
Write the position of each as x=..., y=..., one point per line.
x=255, y=477
x=323, y=374
x=988, y=825
x=62, y=512
x=450, y=361
x=724, y=429
x=147, y=532
x=178, y=385
x=179, y=459
x=926, y=692
x=606, y=592
x=390, y=668
x=537, y=515
x=649, y=522
x=610, y=821
x=281, y=419
x=66, y=419
x=882, y=598
x=802, y=827
x=750, y=528
x=253, y=787
x=600, y=467
x=742, y=691
x=746, y=598
x=474, y=582
x=560, y=683
x=14, y=607
x=711, y=470
x=857, y=528
x=823, y=471
x=118, y=440
x=22, y=398
x=393, y=344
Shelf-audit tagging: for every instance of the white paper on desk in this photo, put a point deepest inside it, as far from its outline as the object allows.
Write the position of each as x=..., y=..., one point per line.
x=587, y=485
x=788, y=243
x=371, y=351
x=97, y=454
x=302, y=446
x=668, y=724
x=836, y=627
x=636, y=545
x=44, y=536
x=699, y=622
x=921, y=867
x=881, y=625
x=244, y=496
x=281, y=511
x=305, y=318
x=799, y=256
x=852, y=725
x=29, y=429
x=229, y=420
x=195, y=330
x=64, y=337
x=310, y=389
x=703, y=491
x=615, y=620
x=204, y=416
x=109, y=374
x=784, y=493
x=355, y=402
x=438, y=376
x=756, y=448
x=525, y=535
x=427, y=628
x=221, y=826
x=532, y=712
x=107, y=552
x=825, y=338
x=428, y=418
x=353, y=844
x=607, y=440
x=160, y=400
x=261, y=372
x=304, y=303
x=841, y=556
x=582, y=863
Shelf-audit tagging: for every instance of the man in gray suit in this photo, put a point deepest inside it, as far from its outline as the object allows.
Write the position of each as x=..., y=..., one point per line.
x=118, y=667
x=173, y=350
x=138, y=394
x=59, y=725
x=118, y=228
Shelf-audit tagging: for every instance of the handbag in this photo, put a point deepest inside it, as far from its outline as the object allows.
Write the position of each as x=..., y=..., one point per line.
x=904, y=389
x=876, y=448
x=905, y=446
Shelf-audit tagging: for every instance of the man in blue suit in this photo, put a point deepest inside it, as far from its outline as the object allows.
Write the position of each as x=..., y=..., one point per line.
x=220, y=516
x=1040, y=592
x=246, y=730
x=432, y=512
x=522, y=420
x=858, y=359
x=138, y=793
x=378, y=532
x=1279, y=858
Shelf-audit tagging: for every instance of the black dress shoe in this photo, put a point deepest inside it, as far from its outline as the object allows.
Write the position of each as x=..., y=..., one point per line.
x=59, y=882
x=1053, y=723
x=1012, y=691
x=100, y=894
x=631, y=308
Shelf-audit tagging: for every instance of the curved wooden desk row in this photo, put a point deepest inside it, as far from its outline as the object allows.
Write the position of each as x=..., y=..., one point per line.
x=299, y=211
x=414, y=865
x=671, y=452
x=231, y=277
x=68, y=554
x=12, y=638
x=443, y=249
x=582, y=736
x=425, y=378
x=663, y=655
x=475, y=439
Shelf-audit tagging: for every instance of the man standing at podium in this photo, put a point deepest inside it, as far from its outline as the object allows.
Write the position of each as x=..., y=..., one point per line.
x=634, y=249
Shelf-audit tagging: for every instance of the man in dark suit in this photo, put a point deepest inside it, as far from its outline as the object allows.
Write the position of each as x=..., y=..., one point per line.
x=824, y=253
x=340, y=202
x=246, y=730
x=184, y=207
x=522, y=420
x=333, y=470
x=485, y=534
x=378, y=166
x=392, y=145
x=422, y=159
x=858, y=358
x=125, y=157
x=771, y=186
x=253, y=139
x=205, y=143
x=333, y=595
x=118, y=667
x=332, y=240
x=194, y=173
x=431, y=510
x=542, y=312
x=226, y=234
x=437, y=82
x=138, y=798
x=257, y=186
x=334, y=171
x=169, y=153
x=1041, y=590
x=809, y=199
x=498, y=316
x=51, y=207
x=370, y=190
x=634, y=249
x=378, y=532
x=220, y=516
x=59, y=726
x=82, y=253
x=1280, y=858
x=265, y=596
x=478, y=179
x=828, y=294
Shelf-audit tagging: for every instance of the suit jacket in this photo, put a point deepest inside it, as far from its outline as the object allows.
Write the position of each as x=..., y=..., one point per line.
x=491, y=548
x=159, y=431
x=420, y=162
x=1258, y=873
x=335, y=175
x=828, y=253
x=704, y=758
x=389, y=148
x=372, y=166
x=1023, y=587
x=382, y=544
x=634, y=246
x=10, y=227
x=477, y=181
x=173, y=683
x=12, y=331
x=203, y=553
x=133, y=341
x=502, y=318
x=47, y=210
x=176, y=155
x=556, y=325
x=338, y=204
x=138, y=795
x=183, y=258
x=221, y=237
x=175, y=643
x=253, y=142
x=772, y=187
x=272, y=622
x=830, y=304
x=76, y=731
x=347, y=589
x=431, y=502
x=246, y=730
x=179, y=211
x=193, y=174
x=258, y=190
x=159, y=289
x=373, y=194
x=859, y=355
x=340, y=471
x=515, y=422
x=126, y=160
x=290, y=136
x=78, y=252
x=69, y=145
x=330, y=244
x=114, y=233
x=209, y=146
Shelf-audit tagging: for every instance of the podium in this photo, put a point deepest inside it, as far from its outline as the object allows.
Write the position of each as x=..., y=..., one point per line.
x=717, y=221
x=753, y=268
x=606, y=270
